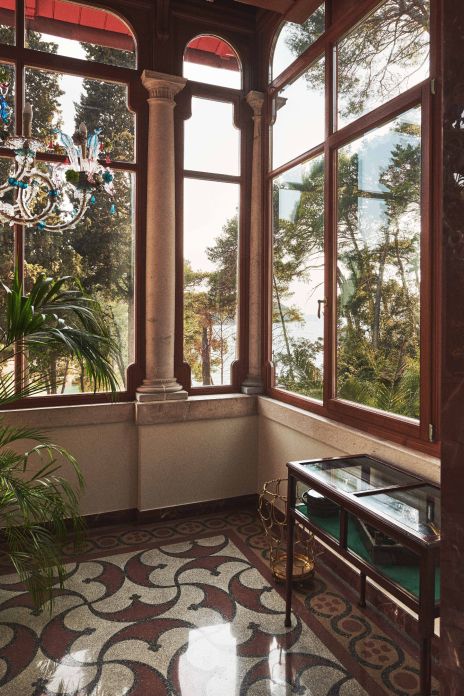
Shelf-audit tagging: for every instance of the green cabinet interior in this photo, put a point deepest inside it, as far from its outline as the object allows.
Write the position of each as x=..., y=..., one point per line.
x=405, y=575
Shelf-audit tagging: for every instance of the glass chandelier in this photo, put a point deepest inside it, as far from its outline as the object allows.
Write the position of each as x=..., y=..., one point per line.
x=56, y=199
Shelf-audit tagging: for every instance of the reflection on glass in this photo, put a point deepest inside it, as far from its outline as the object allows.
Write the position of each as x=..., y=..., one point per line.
x=64, y=101
x=7, y=102
x=212, y=143
x=210, y=279
x=300, y=113
x=386, y=54
x=355, y=474
x=378, y=276
x=294, y=39
x=78, y=31
x=212, y=60
x=7, y=22
x=419, y=509
x=6, y=276
x=99, y=251
x=298, y=279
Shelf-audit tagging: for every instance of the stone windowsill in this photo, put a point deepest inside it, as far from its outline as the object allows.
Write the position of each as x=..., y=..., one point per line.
x=346, y=439
x=210, y=407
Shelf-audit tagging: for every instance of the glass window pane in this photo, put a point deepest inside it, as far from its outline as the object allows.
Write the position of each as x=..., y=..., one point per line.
x=64, y=101
x=294, y=39
x=212, y=60
x=211, y=214
x=300, y=116
x=385, y=55
x=99, y=252
x=212, y=143
x=298, y=279
x=7, y=101
x=378, y=278
x=78, y=31
x=7, y=366
x=7, y=22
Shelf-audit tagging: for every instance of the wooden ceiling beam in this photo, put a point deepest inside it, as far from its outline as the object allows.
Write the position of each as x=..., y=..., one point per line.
x=280, y=6
x=294, y=10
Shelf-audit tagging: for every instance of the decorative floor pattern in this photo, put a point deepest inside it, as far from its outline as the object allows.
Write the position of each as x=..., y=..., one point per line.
x=187, y=608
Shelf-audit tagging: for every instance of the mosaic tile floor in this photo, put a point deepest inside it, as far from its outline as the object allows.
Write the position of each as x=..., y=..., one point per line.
x=188, y=608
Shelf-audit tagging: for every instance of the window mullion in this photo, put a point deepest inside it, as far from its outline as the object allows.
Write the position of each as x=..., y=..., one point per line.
x=329, y=229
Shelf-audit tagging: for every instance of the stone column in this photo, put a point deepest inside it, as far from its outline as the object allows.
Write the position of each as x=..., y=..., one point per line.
x=253, y=383
x=159, y=383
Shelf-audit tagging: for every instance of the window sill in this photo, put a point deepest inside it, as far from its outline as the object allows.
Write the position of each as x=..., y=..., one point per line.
x=347, y=439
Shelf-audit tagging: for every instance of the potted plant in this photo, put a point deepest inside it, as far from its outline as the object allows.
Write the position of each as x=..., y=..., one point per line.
x=37, y=504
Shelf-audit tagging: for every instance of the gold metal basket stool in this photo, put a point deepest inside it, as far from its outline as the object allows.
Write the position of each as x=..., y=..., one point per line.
x=272, y=509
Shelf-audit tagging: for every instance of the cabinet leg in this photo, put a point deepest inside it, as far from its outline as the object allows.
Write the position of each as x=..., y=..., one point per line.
x=362, y=589
x=425, y=666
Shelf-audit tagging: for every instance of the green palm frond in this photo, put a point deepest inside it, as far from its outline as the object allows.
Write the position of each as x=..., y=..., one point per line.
x=37, y=507
x=57, y=314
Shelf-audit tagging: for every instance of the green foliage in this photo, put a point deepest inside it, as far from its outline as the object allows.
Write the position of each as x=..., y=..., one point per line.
x=210, y=306
x=390, y=40
x=35, y=500
x=378, y=330
x=43, y=91
x=34, y=506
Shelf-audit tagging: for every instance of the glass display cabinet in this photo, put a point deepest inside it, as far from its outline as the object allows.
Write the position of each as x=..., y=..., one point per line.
x=384, y=521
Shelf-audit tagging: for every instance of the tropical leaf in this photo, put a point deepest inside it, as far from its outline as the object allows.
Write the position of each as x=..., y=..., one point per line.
x=39, y=507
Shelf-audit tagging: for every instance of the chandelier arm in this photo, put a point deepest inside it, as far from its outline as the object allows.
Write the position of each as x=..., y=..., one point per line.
x=84, y=204
x=25, y=195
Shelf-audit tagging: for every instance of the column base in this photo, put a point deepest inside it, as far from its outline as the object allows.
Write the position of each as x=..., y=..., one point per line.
x=161, y=390
x=252, y=385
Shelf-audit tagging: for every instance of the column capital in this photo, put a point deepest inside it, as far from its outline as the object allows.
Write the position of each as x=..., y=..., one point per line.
x=162, y=86
x=256, y=101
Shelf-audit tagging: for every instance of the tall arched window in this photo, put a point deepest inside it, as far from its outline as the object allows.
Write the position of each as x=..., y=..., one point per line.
x=73, y=65
x=212, y=214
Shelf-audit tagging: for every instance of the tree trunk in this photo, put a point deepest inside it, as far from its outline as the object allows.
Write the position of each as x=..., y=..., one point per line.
x=378, y=294
x=205, y=357
x=284, y=328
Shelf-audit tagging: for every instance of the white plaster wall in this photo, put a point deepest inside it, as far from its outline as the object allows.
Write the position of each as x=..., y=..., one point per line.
x=287, y=433
x=196, y=461
x=103, y=440
x=107, y=455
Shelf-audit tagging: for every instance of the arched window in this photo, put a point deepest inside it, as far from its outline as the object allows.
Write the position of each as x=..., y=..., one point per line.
x=212, y=210
x=44, y=69
x=293, y=39
x=212, y=60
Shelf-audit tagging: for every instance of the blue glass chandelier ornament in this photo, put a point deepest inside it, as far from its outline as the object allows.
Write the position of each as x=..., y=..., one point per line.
x=5, y=109
x=66, y=191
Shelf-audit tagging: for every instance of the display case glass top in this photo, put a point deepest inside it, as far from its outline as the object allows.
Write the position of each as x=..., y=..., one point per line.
x=417, y=509
x=357, y=474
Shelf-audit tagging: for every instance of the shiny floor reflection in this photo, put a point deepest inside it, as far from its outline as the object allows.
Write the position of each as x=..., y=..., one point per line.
x=189, y=619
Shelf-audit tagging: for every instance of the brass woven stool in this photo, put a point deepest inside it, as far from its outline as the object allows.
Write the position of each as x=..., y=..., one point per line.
x=272, y=509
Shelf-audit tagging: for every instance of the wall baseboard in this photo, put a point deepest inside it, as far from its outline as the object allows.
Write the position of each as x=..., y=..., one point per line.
x=203, y=508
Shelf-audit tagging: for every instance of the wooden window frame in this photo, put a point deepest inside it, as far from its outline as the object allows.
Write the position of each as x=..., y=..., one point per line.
x=21, y=57
x=415, y=434
x=236, y=97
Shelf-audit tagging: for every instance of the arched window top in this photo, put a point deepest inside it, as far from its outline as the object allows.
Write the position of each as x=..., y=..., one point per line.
x=211, y=59
x=79, y=31
x=292, y=39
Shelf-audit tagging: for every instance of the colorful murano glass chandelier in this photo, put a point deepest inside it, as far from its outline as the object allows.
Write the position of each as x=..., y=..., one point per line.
x=53, y=197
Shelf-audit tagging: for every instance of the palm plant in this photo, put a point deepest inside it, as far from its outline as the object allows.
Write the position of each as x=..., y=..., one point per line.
x=37, y=504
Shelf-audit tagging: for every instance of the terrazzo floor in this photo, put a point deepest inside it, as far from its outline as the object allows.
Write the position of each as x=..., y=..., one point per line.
x=189, y=608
